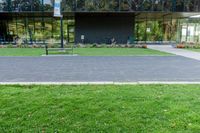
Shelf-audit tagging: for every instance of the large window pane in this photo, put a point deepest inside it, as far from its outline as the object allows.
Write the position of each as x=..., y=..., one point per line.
x=154, y=31
x=167, y=5
x=21, y=27
x=147, y=5
x=70, y=32
x=21, y=5
x=179, y=5
x=48, y=5
x=107, y=5
x=3, y=5
x=191, y=5
x=48, y=35
x=56, y=30
x=136, y=5
x=125, y=5
x=80, y=5
x=97, y=5
x=26, y=5
x=157, y=5
x=36, y=5
x=68, y=5
x=114, y=5
x=140, y=30
x=12, y=30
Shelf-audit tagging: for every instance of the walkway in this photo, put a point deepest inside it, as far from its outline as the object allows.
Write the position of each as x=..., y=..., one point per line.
x=180, y=52
x=99, y=69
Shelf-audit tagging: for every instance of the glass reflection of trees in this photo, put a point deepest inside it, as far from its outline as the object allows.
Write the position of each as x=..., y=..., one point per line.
x=48, y=5
x=192, y=5
x=26, y=5
x=3, y=5
x=102, y=5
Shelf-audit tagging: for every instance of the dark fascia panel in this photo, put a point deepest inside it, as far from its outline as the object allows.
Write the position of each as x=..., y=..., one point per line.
x=138, y=15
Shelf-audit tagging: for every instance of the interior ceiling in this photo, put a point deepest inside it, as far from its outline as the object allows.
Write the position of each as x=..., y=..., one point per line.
x=159, y=15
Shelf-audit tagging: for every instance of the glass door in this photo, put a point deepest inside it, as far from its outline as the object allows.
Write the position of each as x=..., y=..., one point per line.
x=71, y=31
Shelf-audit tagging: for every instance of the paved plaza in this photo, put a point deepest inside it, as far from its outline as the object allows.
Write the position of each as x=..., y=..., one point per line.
x=99, y=69
x=180, y=52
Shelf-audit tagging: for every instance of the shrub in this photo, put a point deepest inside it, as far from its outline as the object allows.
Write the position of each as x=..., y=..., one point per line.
x=196, y=46
x=94, y=46
x=2, y=46
x=9, y=46
x=35, y=46
x=144, y=46
x=180, y=46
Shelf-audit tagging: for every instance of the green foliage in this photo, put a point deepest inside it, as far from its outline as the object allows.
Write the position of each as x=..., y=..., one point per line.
x=9, y=46
x=155, y=33
x=141, y=30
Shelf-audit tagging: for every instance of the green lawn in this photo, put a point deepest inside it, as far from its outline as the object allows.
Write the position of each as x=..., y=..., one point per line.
x=84, y=52
x=21, y=51
x=98, y=108
x=117, y=52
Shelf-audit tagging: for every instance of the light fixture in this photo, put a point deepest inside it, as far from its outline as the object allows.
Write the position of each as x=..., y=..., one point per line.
x=195, y=16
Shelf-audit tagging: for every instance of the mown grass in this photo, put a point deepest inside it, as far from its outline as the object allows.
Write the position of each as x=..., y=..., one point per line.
x=84, y=52
x=21, y=51
x=100, y=108
x=117, y=52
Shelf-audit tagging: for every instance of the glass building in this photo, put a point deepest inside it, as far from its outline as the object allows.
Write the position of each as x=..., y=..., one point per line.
x=99, y=21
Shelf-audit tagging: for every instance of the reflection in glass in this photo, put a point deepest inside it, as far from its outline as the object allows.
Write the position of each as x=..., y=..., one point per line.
x=80, y=5
x=125, y=5
x=48, y=5
x=68, y=5
x=179, y=5
x=147, y=5
x=192, y=5
x=4, y=5
x=157, y=5
x=167, y=5
x=154, y=31
x=21, y=5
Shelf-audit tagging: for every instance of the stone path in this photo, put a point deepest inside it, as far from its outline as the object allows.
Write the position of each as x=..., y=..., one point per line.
x=175, y=51
x=99, y=69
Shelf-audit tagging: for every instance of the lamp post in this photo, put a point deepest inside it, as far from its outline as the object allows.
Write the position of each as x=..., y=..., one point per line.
x=61, y=31
x=57, y=13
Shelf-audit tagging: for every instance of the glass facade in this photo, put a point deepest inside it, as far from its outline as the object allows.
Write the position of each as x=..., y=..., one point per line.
x=167, y=30
x=35, y=30
x=39, y=27
x=102, y=5
x=190, y=30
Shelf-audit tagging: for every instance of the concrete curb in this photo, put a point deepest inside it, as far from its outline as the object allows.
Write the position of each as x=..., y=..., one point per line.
x=97, y=83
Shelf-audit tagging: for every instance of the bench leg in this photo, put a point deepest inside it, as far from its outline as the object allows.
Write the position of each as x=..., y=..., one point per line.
x=46, y=48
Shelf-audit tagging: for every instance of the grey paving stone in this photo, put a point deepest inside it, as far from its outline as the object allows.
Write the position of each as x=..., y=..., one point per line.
x=176, y=51
x=98, y=69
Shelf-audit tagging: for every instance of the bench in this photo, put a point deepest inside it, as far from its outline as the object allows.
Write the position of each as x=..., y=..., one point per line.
x=63, y=50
